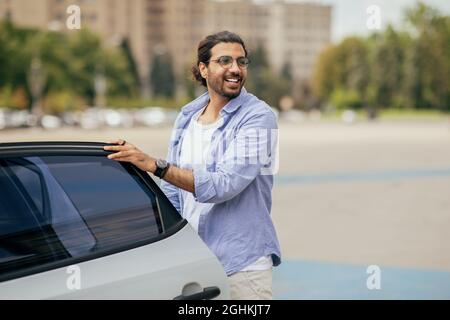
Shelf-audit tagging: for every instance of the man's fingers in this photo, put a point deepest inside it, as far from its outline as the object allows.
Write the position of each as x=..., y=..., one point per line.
x=120, y=154
x=118, y=148
x=117, y=141
x=113, y=148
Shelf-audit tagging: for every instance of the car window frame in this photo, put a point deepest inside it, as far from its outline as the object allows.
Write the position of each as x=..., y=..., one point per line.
x=29, y=149
x=24, y=192
x=29, y=202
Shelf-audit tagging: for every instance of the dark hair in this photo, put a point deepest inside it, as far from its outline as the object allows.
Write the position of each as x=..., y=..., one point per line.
x=205, y=46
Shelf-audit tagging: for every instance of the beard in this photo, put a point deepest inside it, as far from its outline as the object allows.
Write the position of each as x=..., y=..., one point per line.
x=221, y=87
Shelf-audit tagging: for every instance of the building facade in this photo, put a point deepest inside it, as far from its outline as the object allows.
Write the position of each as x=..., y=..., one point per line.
x=292, y=33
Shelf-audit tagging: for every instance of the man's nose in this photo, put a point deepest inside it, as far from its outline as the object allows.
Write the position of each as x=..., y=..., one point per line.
x=235, y=67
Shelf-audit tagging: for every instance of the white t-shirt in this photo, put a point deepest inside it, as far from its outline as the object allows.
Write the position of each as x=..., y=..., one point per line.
x=195, y=149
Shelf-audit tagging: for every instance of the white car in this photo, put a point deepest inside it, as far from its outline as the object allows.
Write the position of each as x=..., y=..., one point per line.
x=76, y=225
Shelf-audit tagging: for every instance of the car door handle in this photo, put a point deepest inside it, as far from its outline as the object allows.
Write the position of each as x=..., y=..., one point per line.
x=207, y=294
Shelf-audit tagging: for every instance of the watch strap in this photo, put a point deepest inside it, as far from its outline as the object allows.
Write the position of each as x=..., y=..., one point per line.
x=161, y=172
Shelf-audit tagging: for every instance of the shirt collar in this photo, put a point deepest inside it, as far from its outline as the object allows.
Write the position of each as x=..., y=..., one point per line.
x=201, y=101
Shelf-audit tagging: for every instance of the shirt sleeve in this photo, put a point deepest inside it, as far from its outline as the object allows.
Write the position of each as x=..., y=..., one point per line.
x=172, y=192
x=252, y=151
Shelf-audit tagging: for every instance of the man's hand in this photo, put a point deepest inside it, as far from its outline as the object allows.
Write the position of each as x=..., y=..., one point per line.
x=127, y=152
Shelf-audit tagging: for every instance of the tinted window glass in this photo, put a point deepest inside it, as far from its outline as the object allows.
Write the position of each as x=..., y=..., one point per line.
x=31, y=181
x=58, y=207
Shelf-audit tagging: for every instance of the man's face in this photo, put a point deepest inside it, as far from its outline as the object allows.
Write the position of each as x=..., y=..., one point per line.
x=225, y=82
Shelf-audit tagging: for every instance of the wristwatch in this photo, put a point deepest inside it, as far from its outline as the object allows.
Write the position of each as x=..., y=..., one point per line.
x=161, y=168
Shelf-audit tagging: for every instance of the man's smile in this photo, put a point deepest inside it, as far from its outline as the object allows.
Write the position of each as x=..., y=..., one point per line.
x=233, y=82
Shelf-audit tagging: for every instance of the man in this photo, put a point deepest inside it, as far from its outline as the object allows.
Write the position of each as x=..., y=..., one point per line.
x=219, y=169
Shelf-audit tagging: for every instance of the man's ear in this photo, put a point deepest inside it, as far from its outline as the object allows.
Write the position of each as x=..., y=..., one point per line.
x=203, y=70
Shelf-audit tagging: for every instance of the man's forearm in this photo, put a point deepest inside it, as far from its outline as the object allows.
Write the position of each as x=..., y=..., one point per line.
x=126, y=152
x=181, y=178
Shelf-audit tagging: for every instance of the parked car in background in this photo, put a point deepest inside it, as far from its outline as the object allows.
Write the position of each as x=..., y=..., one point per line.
x=2, y=119
x=152, y=116
x=10, y=118
x=76, y=225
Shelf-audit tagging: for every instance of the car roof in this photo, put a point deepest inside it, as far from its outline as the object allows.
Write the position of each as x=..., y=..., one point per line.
x=52, y=146
x=50, y=143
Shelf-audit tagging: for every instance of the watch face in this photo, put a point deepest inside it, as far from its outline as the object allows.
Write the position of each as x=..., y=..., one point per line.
x=161, y=163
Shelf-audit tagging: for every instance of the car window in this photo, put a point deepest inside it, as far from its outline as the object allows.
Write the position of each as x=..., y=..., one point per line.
x=59, y=207
x=31, y=182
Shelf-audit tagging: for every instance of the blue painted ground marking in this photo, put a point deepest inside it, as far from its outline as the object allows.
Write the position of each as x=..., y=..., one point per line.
x=299, y=279
x=361, y=176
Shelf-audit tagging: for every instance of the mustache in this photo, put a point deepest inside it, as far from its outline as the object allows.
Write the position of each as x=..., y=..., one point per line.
x=233, y=75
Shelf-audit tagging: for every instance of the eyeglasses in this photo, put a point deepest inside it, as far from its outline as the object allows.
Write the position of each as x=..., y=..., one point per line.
x=227, y=62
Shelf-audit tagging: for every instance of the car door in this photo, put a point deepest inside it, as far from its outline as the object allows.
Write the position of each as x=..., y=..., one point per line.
x=76, y=225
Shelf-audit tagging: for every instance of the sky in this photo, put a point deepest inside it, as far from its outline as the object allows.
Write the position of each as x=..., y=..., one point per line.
x=350, y=16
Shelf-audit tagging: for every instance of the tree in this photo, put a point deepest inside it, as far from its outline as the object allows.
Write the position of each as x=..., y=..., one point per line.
x=286, y=72
x=69, y=62
x=272, y=87
x=15, y=56
x=341, y=69
x=393, y=68
x=121, y=82
x=325, y=73
x=258, y=58
x=428, y=59
x=286, y=76
x=258, y=66
x=162, y=76
x=86, y=56
x=357, y=72
x=388, y=68
x=263, y=82
x=131, y=63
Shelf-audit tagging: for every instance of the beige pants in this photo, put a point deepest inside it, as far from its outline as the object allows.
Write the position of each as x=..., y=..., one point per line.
x=251, y=285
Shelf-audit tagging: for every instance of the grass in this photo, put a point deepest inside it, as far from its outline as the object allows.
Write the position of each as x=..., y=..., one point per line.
x=412, y=114
x=393, y=114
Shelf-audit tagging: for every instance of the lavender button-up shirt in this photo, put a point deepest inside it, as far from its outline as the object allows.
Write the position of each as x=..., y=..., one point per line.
x=237, y=179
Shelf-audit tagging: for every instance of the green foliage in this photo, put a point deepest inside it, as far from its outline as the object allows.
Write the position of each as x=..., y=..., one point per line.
x=162, y=76
x=69, y=65
x=6, y=96
x=343, y=68
x=58, y=102
x=263, y=82
x=15, y=54
x=395, y=68
x=121, y=79
x=429, y=59
x=258, y=58
x=189, y=83
x=131, y=63
x=387, y=72
x=347, y=99
x=137, y=102
x=286, y=72
x=325, y=74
